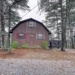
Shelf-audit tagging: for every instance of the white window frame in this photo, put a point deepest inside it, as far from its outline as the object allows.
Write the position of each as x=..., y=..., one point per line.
x=39, y=36
x=31, y=24
x=21, y=35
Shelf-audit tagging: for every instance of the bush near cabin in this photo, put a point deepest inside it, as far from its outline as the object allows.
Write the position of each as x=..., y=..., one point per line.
x=25, y=46
x=14, y=44
x=45, y=45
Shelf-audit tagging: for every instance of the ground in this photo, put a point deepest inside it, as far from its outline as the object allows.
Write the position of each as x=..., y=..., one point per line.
x=43, y=54
x=37, y=62
x=36, y=67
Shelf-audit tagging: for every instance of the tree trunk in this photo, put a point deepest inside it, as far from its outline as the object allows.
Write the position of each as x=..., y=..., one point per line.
x=2, y=24
x=69, y=22
x=9, y=22
x=8, y=40
x=62, y=28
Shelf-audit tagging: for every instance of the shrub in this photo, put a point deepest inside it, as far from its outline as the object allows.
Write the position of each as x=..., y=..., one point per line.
x=36, y=46
x=25, y=46
x=14, y=44
x=45, y=45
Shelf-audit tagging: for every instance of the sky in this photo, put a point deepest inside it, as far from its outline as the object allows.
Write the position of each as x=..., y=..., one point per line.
x=34, y=13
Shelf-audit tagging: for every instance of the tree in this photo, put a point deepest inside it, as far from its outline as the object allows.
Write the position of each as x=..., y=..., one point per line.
x=70, y=5
x=10, y=15
x=2, y=23
x=53, y=16
x=62, y=27
x=54, y=13
x=16, y=4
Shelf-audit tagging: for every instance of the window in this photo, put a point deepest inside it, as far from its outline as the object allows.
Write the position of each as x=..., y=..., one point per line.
x=39, y=36
x=31, y=24
x=21, y=36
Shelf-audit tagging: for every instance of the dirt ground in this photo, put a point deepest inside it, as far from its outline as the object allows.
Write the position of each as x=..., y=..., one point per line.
x=39, y=54
x=37, y=62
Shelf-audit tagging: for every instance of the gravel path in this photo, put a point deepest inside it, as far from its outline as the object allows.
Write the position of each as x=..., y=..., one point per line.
x=36, y=67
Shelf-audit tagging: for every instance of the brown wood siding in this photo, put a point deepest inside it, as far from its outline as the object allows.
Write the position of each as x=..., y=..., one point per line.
x=30, y=34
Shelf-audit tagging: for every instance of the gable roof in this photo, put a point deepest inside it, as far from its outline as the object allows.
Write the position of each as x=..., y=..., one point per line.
x=26, y=21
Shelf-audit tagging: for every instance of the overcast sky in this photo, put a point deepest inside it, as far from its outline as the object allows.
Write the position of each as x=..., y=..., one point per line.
x=34, y=13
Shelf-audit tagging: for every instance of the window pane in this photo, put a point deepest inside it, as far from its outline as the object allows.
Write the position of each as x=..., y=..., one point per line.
x=21, y=36
x=32, y=24
x=39, y=36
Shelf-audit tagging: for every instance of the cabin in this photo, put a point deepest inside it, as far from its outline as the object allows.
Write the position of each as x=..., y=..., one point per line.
x=31, y=32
